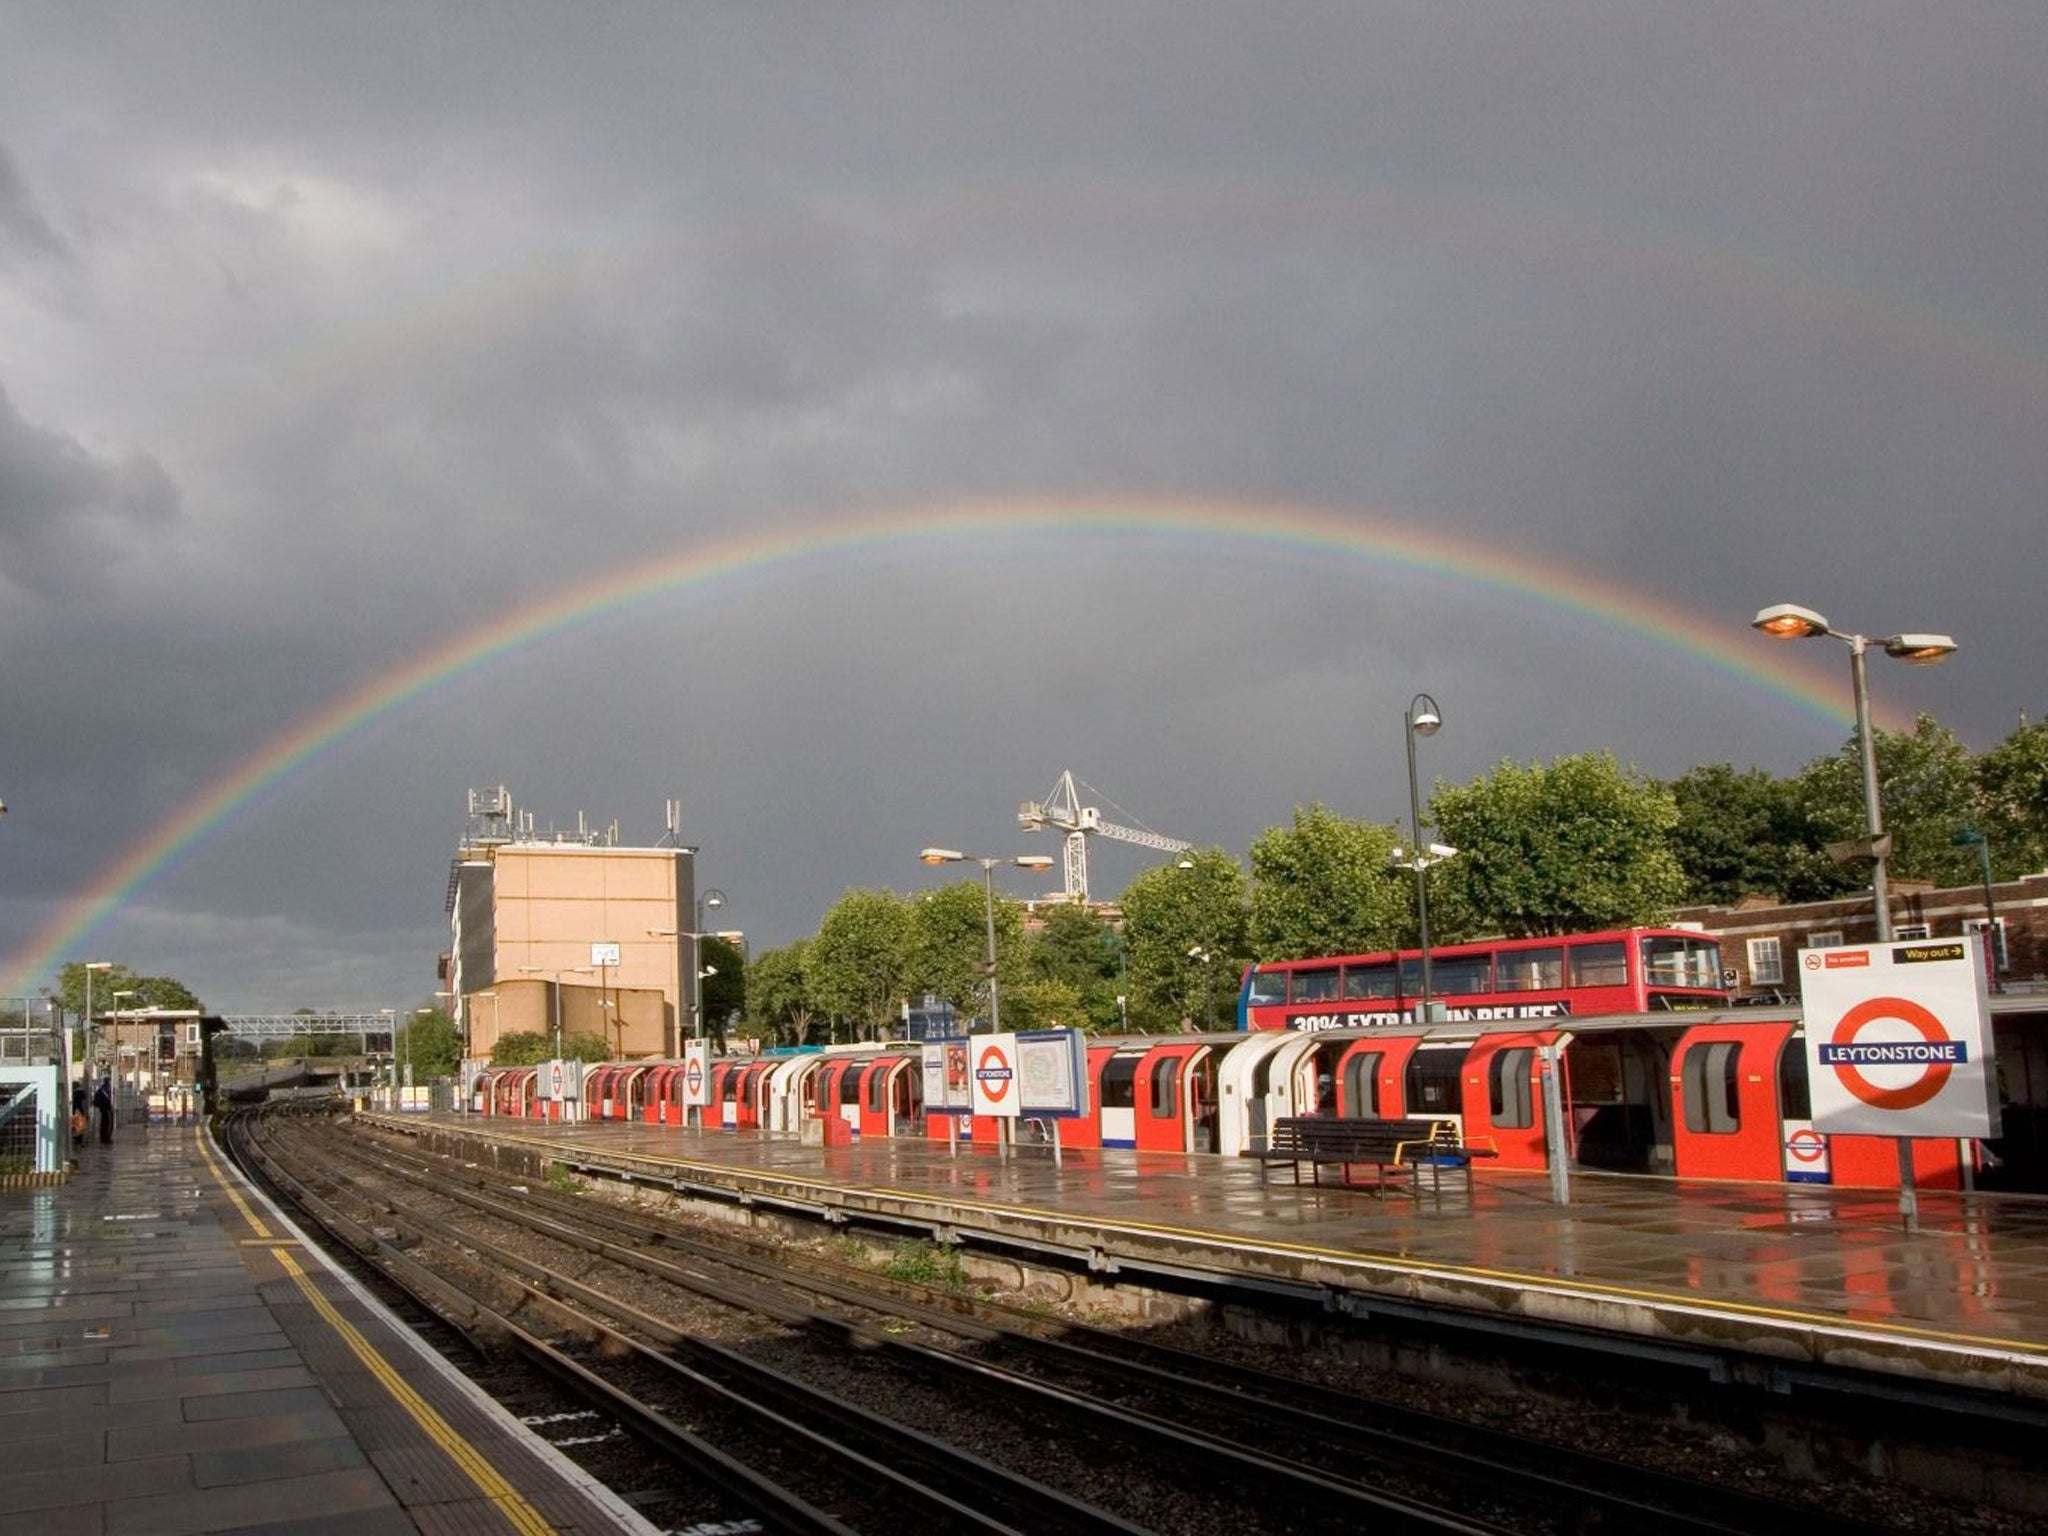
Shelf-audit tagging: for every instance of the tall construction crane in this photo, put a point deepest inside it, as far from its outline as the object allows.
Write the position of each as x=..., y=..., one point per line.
x=1063, y=811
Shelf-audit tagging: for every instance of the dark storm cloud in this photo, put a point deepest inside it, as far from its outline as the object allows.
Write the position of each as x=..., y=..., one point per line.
x=379, y=324
x=65, y=512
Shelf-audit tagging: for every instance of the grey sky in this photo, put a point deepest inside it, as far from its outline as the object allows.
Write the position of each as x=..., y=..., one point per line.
x=328, y=334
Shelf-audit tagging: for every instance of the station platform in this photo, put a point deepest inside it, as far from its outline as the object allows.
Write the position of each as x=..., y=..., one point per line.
x=1785, y=1275
x=174, y=1357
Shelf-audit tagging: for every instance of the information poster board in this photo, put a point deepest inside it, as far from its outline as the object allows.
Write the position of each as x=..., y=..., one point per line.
x=948, y=1088
x=1052, y=1071
x=1898, y=1039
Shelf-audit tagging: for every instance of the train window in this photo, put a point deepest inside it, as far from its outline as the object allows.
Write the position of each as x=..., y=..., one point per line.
x=1120, y=1083
x=878, y=1087
x=849, y=1084
x=1362, y=1084
x=1431, y=1081
x=1166, y=1089
x=1710, y=1078
x=1512, y=1103
x=1600, y=965
x=1531, y=970
x=1317, y=986
x=1670, y=961
x=1366, y=982
x=1268, y=987
x=1795, y=1094
x=1456, y=975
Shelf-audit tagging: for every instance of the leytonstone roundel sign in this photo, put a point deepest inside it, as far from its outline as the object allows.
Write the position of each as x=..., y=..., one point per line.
x=1898, y=1039
x=995, y=1074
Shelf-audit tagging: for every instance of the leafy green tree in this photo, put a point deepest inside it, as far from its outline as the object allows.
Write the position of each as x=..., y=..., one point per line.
x=779, y=1004
x=949, y=945
x=585, y=1045
x=1579, y=845
x=858, y=966
x=1323, y=886
x=2012, y=800
x=1185, y=932
x=522, y=1048
x=1076, y=950
x=725, y=989
x=1927, y=781
x=1043, y=1002
x=1742, y=833
x=431, y=1043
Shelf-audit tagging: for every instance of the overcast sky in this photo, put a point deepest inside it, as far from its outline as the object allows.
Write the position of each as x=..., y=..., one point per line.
x=330, y=334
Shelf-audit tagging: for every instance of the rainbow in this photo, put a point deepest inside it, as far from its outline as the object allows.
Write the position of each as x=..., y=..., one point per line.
x=1253, y=528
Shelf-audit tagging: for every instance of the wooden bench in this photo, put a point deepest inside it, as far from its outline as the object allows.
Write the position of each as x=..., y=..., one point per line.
x=1395, y=1149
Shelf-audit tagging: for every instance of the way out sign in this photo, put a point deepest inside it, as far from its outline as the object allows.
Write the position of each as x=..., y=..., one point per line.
x=1898, y=1039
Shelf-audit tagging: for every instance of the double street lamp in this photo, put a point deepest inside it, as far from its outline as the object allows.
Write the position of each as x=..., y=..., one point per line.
x=988, y=862
x=1788, y=621
x=1422, y=719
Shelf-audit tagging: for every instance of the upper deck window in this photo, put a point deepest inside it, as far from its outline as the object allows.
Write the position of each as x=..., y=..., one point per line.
x=1676, y=961
x=1531, y=970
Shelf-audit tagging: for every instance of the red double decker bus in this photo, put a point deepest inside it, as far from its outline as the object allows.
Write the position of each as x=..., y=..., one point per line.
x=1622, y=970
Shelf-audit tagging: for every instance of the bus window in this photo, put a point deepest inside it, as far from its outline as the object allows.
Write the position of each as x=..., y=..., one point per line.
x=1710, y=1077
x=1120, y=1083
x=1362, y=1085
x=1431, y=1082
x=1531, y=970
x=1599, y=965
x=1364, y=983
x=1457, y=975
x=1512, y=1104
x=1268, y=987
x=1166, y=1089
x=1674, y=961
x=1316, y=986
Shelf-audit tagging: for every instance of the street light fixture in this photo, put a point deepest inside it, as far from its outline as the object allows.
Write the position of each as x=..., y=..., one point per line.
x=1422, y=718
x=1788, y=621
x=988, y=862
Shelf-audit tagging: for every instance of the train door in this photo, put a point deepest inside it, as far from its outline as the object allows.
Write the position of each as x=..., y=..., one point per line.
x=904, y=1103
x=1314, y=1074
x=839, y=1094
x=789, y=1093
x=1432, y=1073
x=1117, y=1099
x=633, y=1092
x=2020, y=1150
x=655, y=1091
x=1242, y=1110
x=1503, y=1096
x=1357, y=1080
x=872, y=1113
x=1175, y=1100
x=1620, y=1106
x=1725, y=1107
x=749, y=1095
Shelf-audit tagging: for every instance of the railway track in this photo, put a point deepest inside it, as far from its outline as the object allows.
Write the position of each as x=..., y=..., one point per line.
x=813, y=1396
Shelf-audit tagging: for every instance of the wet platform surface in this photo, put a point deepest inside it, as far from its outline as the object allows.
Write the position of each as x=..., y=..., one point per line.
x=173, y=1359
x=1795, y=1272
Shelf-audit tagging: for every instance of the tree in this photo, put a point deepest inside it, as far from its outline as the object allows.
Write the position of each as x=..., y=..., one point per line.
x=431, y=1043
x=1323, y=886
x=779, y=1003
x=149, y=991
x=858, y=967
x=725, y=989
x=1927, y=782
x=522, y=1048
x=1184, y=935
x=1580, y=845
x=1077, y=951
x=2012, y=802
x=949, y=945
x=1749, y=833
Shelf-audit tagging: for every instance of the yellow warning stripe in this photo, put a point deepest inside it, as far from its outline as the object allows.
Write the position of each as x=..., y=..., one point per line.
x=522, y=1516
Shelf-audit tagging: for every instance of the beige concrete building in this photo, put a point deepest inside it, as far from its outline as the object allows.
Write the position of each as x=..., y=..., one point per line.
x=570, y=933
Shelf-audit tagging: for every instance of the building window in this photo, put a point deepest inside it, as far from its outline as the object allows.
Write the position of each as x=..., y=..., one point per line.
x=1766, y=962
x=1829, y=940
x=1911, y=931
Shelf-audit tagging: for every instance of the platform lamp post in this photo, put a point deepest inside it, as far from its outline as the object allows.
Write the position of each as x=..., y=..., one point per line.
x=1994, y=942
x=988, y=862
x=392, y=1015
x=555, y=979
x=1422, y=718
x=1788, y=621
x=91, y=1030
x=135, y=1073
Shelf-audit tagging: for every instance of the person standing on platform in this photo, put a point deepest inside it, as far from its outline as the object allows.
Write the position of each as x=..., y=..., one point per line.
x=78, y=1115
x=103, y=1106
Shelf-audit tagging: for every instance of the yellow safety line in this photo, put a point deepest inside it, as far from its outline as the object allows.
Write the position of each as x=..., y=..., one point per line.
x=1549, y=1282
x=509, y=1502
